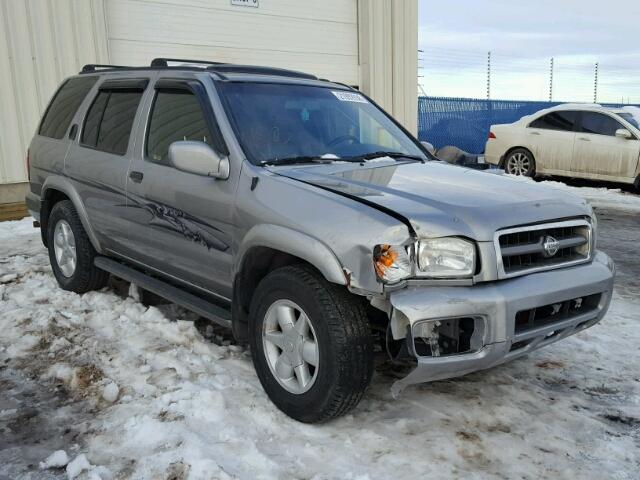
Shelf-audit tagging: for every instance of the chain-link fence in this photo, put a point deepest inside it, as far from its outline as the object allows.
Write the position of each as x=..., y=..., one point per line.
x=465, y=122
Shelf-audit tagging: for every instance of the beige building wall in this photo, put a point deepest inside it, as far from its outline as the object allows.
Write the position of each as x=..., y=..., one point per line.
x=371, y=44
x=41, y=43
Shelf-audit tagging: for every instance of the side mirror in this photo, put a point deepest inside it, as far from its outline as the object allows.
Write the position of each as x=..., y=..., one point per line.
x=199, y=158
x=430, y=148
x=624, y=133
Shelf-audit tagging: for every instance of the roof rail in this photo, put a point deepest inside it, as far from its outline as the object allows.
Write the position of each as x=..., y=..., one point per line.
x=164, y=62
x=215, y=67
x=92, y=67
x=281, y=72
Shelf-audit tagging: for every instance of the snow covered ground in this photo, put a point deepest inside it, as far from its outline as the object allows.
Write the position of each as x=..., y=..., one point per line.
x=125, y=391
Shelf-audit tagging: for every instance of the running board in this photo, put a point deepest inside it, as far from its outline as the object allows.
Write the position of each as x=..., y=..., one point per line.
x=187, y=300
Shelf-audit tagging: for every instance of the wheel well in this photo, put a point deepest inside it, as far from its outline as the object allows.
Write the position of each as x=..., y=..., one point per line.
x=508, y=152
x=257, y=263
x=50, y=198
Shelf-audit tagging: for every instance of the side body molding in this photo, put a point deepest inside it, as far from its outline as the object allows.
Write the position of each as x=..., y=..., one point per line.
x=294, y=243
x=63, y=184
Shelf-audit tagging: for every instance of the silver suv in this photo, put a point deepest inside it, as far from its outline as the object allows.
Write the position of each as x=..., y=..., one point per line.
x=298, y=213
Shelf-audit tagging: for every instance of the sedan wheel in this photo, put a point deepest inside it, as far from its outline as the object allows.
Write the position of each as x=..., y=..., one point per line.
x=520, y=162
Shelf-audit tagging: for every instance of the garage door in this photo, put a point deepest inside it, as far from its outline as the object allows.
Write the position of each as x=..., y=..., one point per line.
x=316, y=37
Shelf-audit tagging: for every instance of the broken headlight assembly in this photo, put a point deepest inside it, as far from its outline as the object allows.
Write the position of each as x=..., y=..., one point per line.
x=392, y=263
x=445, y=257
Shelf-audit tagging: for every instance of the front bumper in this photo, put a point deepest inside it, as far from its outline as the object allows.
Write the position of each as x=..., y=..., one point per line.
x=497, y=304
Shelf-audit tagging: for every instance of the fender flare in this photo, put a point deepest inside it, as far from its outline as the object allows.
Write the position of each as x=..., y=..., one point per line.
x=64, y=185
x=294, y=243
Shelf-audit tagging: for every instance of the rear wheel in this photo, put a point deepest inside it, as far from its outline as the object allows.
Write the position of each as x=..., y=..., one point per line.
x=70, y=251
x=520, y=162
x=310, y=343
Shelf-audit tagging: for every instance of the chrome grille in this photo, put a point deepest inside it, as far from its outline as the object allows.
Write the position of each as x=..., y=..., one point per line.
x=542, y=247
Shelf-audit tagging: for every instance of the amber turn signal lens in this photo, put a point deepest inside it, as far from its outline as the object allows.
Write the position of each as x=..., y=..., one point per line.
x=384, y=257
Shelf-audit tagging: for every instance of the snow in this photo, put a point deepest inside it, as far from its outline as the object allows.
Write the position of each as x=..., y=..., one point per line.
x=140, y=392
x=77, y=466
x=110, y=392
x=57, y=459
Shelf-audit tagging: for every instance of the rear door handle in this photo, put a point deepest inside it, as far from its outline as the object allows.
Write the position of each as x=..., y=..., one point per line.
x=534, y=133
x=136, y=176
x=584, y=139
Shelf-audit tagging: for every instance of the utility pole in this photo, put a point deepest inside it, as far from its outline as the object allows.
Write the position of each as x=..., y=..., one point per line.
x=489, y=75
x=420, y=88
x=595, y=85
x=551, y=81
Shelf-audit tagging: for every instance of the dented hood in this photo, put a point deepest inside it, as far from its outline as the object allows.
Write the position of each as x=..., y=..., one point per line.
x=439, y=199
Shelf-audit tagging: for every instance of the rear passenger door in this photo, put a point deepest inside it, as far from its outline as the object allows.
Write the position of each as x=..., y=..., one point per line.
x=551, y=138
x=599, y=152
x=181, y=223
x=98, y=161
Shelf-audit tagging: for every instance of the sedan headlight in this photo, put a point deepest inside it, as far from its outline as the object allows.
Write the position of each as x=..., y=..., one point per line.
x=446, y=257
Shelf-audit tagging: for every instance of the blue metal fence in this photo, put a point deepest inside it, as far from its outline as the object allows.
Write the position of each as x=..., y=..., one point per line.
x=465, y=122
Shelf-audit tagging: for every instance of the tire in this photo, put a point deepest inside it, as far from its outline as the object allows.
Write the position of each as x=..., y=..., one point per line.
x=84, y=276
x=338, y=326
x=520, y=161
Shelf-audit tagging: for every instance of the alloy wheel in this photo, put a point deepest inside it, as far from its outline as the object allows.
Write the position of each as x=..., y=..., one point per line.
x=64, y=245
x=290, y=346
x=518, y=164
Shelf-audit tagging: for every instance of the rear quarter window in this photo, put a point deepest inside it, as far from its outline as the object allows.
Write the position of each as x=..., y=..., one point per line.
x=64, y=105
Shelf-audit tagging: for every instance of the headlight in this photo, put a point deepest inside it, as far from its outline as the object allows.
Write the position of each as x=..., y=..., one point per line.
x=446, y=257
x=392, y=263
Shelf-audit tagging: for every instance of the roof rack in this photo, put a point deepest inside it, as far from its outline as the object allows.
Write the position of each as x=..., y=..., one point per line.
x=164, y=62
x=281, y=72
x=216, y=67
x=92, y=67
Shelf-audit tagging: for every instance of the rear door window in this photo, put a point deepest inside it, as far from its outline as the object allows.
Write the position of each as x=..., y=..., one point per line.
x=109, y=121
x=560, y=120
x=599, y=124
x=64, y=105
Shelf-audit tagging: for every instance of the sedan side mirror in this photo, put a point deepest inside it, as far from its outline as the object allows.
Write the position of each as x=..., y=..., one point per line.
x=429, y=147
x=624, y=133
x=199, y=158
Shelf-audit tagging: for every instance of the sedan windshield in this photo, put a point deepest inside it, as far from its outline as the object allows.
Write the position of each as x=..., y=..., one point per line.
x=631, y=119
x=281, y=123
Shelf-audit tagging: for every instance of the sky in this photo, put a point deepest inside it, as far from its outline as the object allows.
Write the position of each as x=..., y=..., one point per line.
x=455, y=37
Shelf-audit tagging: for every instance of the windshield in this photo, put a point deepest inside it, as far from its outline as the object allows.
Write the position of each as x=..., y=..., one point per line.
x=275, y=122
x=631, y=119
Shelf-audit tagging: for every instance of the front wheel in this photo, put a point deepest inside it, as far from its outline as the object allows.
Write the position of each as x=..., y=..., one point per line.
x=310, y=343
x=520, y=162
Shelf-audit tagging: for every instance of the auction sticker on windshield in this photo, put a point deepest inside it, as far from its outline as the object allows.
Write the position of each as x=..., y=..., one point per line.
x=349, y=97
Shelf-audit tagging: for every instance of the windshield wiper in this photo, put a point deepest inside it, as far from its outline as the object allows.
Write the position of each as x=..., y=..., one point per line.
x=295, y=160
x=372, y=155
x=305, y=159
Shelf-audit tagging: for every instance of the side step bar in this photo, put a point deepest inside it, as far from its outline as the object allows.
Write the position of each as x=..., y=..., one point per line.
x=187, y=300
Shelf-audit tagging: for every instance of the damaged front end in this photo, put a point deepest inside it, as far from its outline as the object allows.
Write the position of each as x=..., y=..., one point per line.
x=450, y=331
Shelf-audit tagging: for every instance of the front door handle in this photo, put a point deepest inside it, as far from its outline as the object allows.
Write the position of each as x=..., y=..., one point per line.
x=136, y=176
x=534, y=133
x=584, y=139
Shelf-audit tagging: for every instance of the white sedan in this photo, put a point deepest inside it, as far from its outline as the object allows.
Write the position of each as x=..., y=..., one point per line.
x=582, y=140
